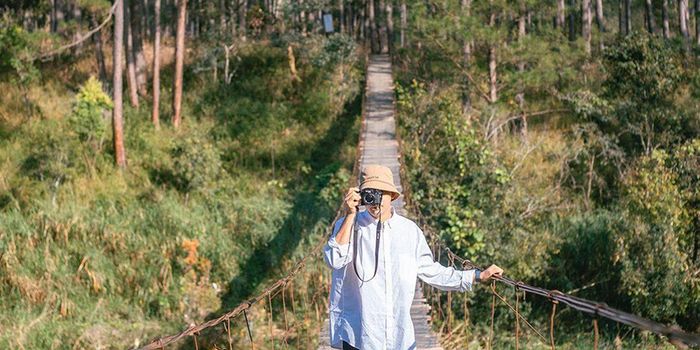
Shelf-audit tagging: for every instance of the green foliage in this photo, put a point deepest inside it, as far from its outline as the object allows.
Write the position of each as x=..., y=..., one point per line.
x=196, y=164
x=650, y=247
x=89, y=118
x=643, y=78
x=54, y=157
x=66, y=213
x=453, y=173
x=587, y=257
x=337, y=49
x=16, y=51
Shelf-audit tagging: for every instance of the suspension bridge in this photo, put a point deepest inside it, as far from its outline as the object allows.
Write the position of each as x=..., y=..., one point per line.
x=378, y=144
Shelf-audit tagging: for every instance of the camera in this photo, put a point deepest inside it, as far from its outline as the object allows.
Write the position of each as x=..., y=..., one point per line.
x=370, y=196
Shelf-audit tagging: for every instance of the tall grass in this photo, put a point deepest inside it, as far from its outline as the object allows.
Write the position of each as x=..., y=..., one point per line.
x=92, y=257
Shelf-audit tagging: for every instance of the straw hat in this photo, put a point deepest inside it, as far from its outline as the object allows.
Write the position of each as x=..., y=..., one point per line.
x=379, y=177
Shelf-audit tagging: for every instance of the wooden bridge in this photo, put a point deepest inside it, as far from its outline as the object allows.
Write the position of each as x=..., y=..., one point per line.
x=378, y=145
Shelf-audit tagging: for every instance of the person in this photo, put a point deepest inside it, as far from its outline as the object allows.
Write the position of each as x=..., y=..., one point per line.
x=368, y=309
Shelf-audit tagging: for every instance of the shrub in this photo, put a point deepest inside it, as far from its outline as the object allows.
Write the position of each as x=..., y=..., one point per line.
x=196, y=164
x=649, y=247
x=87, y=118
x=337, y=49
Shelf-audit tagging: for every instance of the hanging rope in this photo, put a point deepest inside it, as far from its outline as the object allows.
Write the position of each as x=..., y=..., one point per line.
x=517, y=319
x=250, y=334
x=228, y=333
x=500, y=297
x=595, y=334
x=286, y=325
x=269, y=320
x=551, y=323
x=493, y=313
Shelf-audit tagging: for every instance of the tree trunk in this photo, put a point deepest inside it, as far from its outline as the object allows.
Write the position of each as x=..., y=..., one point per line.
x=54, y=16
x=99, y=54
x=561, y=14
x=404, y=22
x=137, y=9
x=697, y=22
x=382, y=27
x=302, y=18
x=242, y=10
x=350, y=20
x=572, y=20
x=390, y=25
x=600, y=18
x=117, y=124
x=466, y=61
x=587, y=21
x=628, y=17
x=233, y=17
x=374, y=36
x=341, y=18
x=683, y=23
x=493, y=77
x=621, y=17
x=520, y=97
x=155, y=115
x=130, y=67
x=222, y=16
x=649, y=15
x=364, y=24
x=179, y=62
x=664, y=15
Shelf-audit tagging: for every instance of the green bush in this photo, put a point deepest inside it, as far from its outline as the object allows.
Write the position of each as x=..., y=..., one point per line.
x=337, y=49
x=655, y=267
x=196, y=164
x=88, y=116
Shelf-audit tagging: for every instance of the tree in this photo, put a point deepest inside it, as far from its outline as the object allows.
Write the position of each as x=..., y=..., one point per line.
x=697, y=22
x=155, y=116
x=136, y=8
x=561, y=14
x=99, y=54
x=664, y=18
x=117, y=54
x=179, y=62
x=493, y=74
x=404, y=21
x=130, y=67
x=649, y=16
x=375, y=43
x=390, y=25
x=586, y=25
x=683, y=20
x=599, y=16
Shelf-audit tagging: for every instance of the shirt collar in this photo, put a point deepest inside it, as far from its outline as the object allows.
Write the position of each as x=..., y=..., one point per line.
x=389, y=223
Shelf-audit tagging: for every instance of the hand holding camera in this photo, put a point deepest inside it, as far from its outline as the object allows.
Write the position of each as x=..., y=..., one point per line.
x=352, y=200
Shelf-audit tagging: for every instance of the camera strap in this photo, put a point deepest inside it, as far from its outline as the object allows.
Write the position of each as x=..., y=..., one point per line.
x=376, y=247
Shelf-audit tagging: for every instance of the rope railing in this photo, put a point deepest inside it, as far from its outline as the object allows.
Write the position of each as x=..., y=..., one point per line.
x=597, y=309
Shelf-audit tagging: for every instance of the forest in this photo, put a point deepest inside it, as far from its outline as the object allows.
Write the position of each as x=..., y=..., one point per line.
x=162, y=161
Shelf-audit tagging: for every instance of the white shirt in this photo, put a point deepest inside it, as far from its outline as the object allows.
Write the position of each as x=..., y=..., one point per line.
x=376, y=314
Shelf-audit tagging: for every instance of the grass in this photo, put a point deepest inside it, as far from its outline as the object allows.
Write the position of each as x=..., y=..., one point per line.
x=97, y=258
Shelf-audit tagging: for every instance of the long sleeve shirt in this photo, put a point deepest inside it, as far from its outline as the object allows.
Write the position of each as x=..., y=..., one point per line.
x=376, y=314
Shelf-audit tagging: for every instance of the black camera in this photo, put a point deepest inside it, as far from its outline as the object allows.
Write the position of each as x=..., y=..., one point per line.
x=370, y=196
